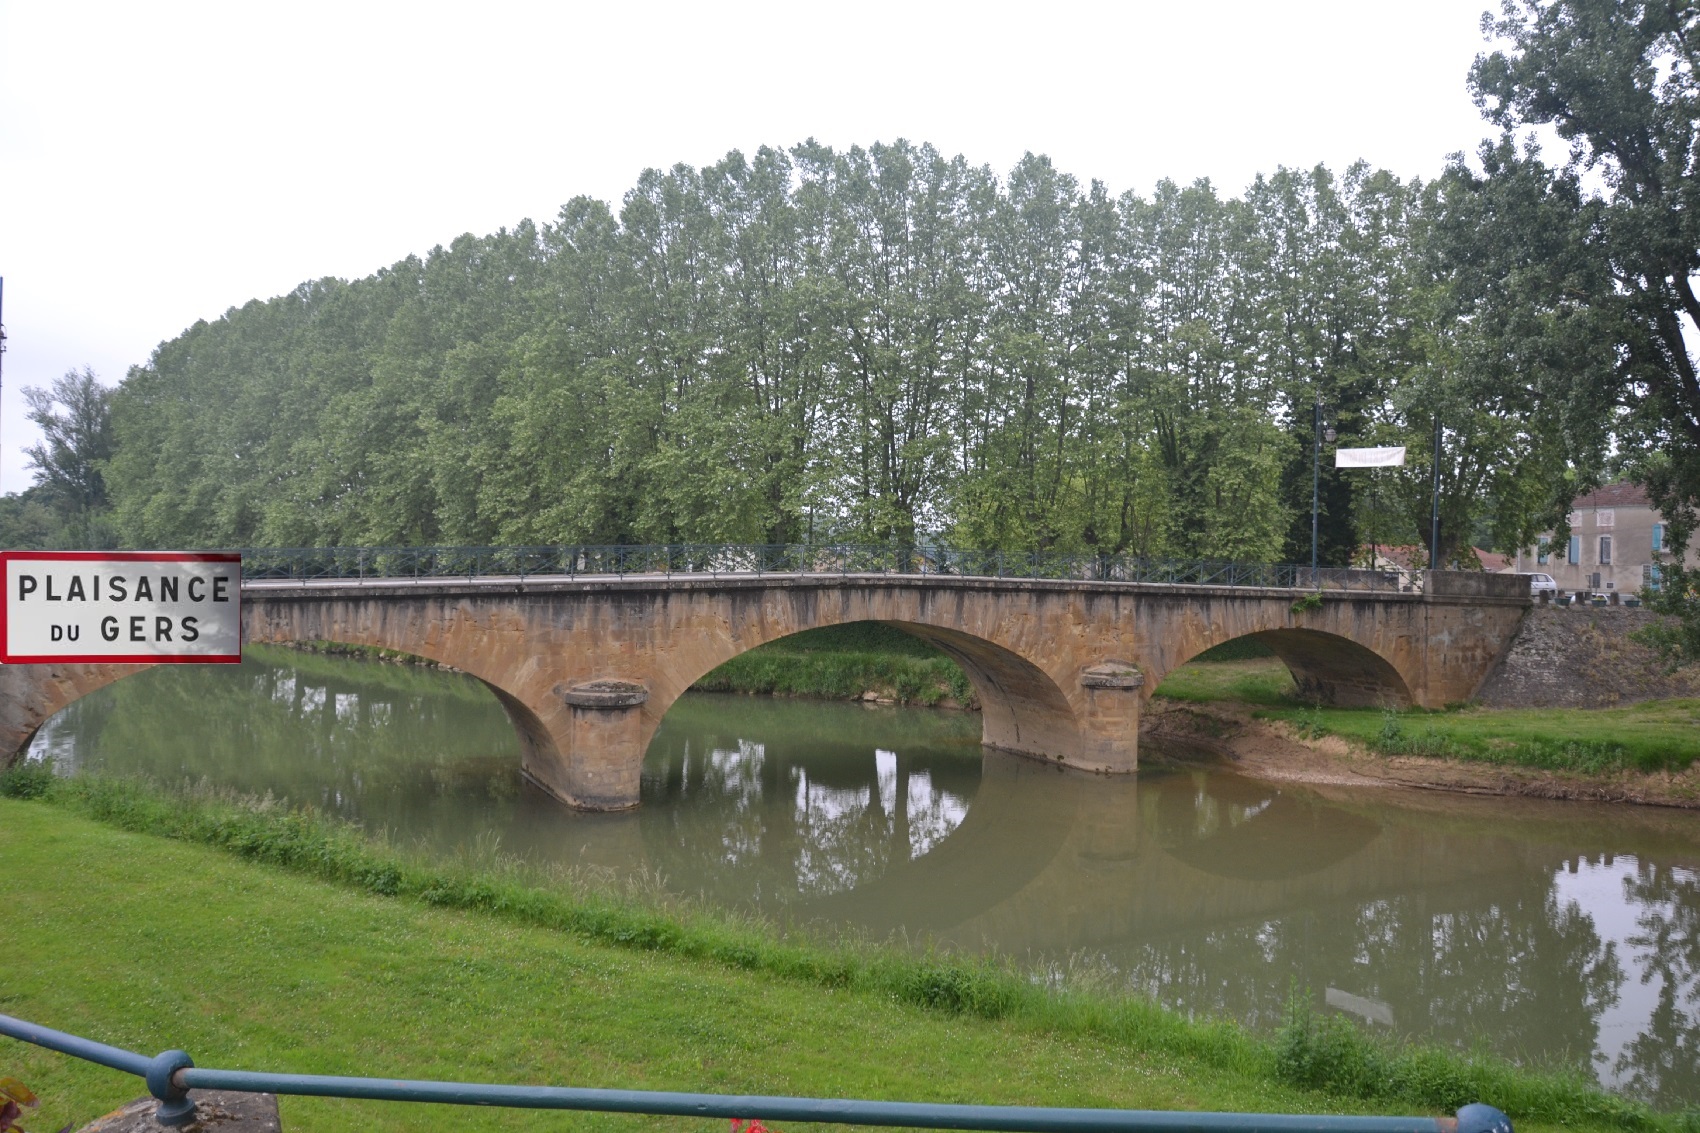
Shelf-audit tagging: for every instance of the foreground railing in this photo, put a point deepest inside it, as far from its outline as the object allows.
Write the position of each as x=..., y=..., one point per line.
x=308, y=564
x=171, y=1075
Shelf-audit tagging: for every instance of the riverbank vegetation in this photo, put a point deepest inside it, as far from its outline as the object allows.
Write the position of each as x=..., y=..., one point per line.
x=1657, y=735
x=1652, y=736
x=888, y=344
x=1241, y=670
x=857, y=661
x=289, y=942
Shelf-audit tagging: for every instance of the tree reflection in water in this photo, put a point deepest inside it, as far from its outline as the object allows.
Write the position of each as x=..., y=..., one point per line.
x=1662, y=1062
x=1389, y=923
x=851, y=816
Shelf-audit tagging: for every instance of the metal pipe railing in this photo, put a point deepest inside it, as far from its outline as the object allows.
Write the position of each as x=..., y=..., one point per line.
x=310, y=564
x=172, y=1074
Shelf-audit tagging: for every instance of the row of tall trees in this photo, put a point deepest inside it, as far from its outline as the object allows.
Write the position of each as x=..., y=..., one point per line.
x=873, y=345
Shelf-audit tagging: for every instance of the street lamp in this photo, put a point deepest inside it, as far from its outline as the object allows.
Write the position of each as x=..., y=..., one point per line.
x=1319, y=435
x=1434, y=514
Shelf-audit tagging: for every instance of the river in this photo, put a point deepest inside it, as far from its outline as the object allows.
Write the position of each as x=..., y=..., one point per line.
x=1556, y=932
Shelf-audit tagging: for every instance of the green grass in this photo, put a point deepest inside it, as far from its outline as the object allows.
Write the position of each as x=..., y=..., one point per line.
x=1238, y=649
x=260, y=939
x=1252, y=681
x=1658, y=735
x=843, y=663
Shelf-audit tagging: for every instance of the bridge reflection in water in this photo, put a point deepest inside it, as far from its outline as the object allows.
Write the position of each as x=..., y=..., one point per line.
x=1546, y=930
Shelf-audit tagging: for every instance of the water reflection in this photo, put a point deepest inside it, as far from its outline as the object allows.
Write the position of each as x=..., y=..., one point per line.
x=1660, y=1059
x=819, y=806
x=1550, y=931
x=1241, y=828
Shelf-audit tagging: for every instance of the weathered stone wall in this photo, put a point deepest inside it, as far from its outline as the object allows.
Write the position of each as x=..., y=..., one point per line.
x=1582, y=657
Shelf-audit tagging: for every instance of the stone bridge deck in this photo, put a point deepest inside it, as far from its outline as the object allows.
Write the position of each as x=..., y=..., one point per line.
x=587, y=667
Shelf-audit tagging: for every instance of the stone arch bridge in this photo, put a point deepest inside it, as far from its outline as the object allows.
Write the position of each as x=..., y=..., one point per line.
x=587, y=667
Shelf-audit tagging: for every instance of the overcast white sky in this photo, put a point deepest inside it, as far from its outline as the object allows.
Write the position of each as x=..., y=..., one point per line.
x=163, y=162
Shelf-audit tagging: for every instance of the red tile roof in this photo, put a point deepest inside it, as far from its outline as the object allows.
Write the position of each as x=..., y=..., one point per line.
x=1416, y=558
x=1621, y=494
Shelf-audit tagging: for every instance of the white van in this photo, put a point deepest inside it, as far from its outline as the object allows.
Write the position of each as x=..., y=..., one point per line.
x=1542, y=583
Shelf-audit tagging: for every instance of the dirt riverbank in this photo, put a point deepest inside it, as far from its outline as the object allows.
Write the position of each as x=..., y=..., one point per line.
x=1277, y=751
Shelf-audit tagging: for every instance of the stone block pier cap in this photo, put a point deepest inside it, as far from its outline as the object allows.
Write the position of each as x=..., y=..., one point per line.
x=1112, y=674
x=604, y=694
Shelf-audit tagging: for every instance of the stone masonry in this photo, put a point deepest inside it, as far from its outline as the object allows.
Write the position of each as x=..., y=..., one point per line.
x=1582, y=657
x=587, y=668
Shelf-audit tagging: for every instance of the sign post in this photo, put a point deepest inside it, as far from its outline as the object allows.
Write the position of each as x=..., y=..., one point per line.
x=121, y=607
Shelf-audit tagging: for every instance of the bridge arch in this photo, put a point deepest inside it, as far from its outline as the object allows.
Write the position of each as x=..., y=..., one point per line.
x=1332, y=669
x=1023, y=708
x=1328, y=668
x=31, y=695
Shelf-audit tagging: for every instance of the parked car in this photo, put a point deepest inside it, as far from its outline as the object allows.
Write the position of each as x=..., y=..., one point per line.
x=1542, y=583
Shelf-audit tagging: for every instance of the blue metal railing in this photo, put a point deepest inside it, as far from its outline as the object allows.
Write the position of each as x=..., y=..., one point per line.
x=308, y=564
x=172, y=1074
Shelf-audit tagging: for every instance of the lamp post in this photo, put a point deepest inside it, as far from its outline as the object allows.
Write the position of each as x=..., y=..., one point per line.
x=1318, y=435
x=1434, y=513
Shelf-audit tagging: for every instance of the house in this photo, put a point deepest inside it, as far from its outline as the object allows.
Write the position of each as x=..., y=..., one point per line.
x=1616, y=543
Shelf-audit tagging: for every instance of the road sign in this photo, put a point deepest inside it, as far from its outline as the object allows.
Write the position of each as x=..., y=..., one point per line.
x=120, y=606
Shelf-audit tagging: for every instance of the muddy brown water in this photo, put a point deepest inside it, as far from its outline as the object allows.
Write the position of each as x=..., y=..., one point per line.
x=1555, y=932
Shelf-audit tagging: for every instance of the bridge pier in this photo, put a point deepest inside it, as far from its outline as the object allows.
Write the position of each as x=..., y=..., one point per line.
x=587, y=747
x=1087, y=719
x=1109, y=717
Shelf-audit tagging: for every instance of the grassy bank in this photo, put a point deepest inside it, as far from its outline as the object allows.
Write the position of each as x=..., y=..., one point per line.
x=1244, y=680
x=256, y=938
x=845, y=663
x=1655, y=735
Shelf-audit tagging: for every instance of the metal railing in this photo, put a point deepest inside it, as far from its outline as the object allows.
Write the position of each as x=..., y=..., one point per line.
x=310, y=564
x=172, y=1074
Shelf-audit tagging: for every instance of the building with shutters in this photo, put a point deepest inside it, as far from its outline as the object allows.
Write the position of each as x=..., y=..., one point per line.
x=1616, y=543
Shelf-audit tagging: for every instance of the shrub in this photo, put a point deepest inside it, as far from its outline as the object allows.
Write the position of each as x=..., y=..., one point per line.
x=27, y=779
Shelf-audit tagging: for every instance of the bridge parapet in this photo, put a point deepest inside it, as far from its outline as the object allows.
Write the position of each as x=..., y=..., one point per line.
x=720, y=560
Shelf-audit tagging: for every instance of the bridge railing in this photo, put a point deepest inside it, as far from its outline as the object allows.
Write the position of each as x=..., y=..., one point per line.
x=310, y=564
x=172, y=1074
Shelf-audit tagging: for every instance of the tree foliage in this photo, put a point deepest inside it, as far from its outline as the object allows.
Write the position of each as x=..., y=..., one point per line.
x=1598, y=298
x=67, y=502
x=875, y=344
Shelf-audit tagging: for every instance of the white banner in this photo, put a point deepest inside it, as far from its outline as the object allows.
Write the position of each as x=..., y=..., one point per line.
x=1369, y=457
x=120, y=606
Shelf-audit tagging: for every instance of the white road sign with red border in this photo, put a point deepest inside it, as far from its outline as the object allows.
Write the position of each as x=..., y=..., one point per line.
x=120, y=606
